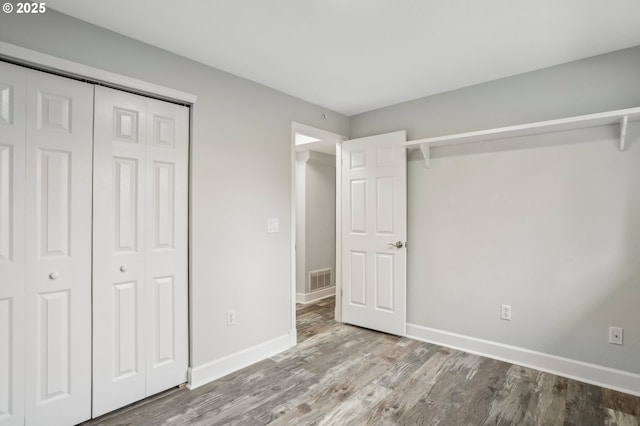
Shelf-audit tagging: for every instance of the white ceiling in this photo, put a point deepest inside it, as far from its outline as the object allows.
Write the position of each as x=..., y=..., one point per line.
x=353, y=56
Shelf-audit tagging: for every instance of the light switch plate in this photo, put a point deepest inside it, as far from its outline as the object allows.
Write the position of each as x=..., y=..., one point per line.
x=273, y=225
x=231, y=318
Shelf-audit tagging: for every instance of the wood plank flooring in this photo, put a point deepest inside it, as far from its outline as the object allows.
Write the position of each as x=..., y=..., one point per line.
x=344, y=375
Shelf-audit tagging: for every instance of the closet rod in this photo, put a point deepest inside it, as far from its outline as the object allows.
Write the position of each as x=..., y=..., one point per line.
x=619, y=117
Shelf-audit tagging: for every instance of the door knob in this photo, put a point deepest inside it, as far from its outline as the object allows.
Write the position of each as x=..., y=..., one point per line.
x=54, y=276
x=397, y=244
x=124, y=268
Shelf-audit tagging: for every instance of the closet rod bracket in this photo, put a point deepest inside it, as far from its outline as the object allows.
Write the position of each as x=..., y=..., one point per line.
x=623, y=131
x=426, y=153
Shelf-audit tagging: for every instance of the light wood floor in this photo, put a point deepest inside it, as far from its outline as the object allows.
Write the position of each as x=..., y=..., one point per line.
x=339, y=374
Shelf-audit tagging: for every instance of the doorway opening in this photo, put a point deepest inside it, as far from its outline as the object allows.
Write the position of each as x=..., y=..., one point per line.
x=315, y=224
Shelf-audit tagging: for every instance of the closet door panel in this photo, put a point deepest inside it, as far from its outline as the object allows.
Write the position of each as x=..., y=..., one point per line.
x=166, y=239
x=59, y=131
x=120, y=300
x=12, y=248
x=140, y=248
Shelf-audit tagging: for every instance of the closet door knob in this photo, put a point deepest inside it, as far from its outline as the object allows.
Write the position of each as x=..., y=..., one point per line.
x=54, y=276
x=124, y=268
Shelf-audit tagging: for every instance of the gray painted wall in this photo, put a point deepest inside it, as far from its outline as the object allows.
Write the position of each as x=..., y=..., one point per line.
x=240, y=176
x=548, y=224
x=601, y=83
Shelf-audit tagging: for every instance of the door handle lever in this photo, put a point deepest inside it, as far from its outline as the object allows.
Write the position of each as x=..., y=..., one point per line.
x=397, y=244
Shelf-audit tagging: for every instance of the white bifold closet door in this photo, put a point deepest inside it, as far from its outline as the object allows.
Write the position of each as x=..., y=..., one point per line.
x=12, y=242
x=46, y=124
x=140, y=342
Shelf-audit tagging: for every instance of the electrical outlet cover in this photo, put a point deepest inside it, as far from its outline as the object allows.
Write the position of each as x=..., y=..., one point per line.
x=615, y=335
x=505, y=312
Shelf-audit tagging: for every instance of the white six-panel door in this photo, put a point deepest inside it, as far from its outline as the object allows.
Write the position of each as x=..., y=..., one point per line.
x=12, y=243
x=140, y=248
x=374, y=219
x=59, y=134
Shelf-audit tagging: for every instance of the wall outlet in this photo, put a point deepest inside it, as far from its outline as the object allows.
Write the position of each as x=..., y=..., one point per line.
x=231, y=318
x=505, y=312
x=615, y=335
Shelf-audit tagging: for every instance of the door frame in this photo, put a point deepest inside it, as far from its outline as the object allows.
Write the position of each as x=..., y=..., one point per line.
x=337, y=139
x=43, y=62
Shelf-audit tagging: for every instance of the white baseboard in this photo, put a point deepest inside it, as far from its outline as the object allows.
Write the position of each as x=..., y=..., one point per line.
x=293, y=337
x=305, y=298
x=215, y=369
x=598, y=375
